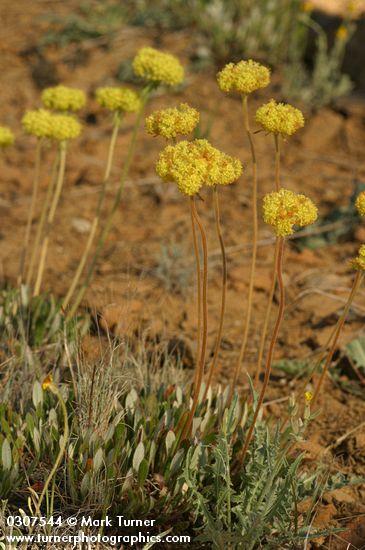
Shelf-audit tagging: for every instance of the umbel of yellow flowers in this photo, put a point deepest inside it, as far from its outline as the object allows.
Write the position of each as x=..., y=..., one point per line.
x=244, y=77
x=359, y=262
x=192, y=164
x=171, y=122
x=43, y=124
x=360, y=203
x=284, y=209
x=63, y=98
x=6, y=137
x=118, y=99
x=158, y=67
x=279, y=118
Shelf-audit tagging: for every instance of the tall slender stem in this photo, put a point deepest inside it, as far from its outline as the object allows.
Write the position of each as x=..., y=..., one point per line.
x=199, y=288
x=254, y=249
x=96, y=220
x=42, y=219
x=340, y=323
x=279, y=266
x=110, y=218
x=61, y=452
x=23, y=256
x=200, y=367
x=224, y=291
x=51, y=216
x=277, y=142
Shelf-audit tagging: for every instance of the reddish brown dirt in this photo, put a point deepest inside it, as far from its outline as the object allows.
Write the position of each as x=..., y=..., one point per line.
x=324, y=160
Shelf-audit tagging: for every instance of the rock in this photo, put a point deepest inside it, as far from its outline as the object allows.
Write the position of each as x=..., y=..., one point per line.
x=81, y=225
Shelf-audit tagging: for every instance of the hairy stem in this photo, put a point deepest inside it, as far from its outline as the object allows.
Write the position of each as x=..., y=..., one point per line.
x=200, y=367
x=270, y=356
x=96, y=220
x=42, y=220
x=254, y=251
x=199, y=288
x=23, y=256
x=110, y=218
x=277, y=141
x=224, y=290
x=340, y=323
x=51, y=216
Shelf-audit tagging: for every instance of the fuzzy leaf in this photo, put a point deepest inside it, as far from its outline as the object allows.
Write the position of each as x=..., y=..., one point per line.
x=6, y=455
x=138, y=456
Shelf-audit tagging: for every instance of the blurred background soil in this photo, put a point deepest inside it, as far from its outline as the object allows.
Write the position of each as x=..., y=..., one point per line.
x=145, y=278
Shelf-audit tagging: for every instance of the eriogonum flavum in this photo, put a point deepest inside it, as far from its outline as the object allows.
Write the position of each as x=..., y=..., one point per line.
x=244, y=77
x=38, y=123
x=191, y=164
x=63, y=98
x=64, y=127
x=118, y=99
x=359, y=262
x=6, y=137
x=360, y=203
x=279, y=118
x=284, y=209
x=156, y=66
x=171, y=122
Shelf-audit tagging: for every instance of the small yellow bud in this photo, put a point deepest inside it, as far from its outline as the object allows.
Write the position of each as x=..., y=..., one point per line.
x=6, y=137
x=279, y=118
x=159, y=67
x=307, y=7
x=168, y=123
x=308, y=396
x=47, y=382
x=118, y=99
x=63, y=98
x=244, y=77
x=342, y=32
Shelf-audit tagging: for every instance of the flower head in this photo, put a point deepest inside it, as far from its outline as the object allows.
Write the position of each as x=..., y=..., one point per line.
x=244, y=77
x=307, y=6
x=284, y=209
x=308, y=396
x=359, y=262
x=64, y=127
x=360, y=203
x=38, y=123
x=118, y=99
x=168, y=123
x=6, y=137
x=279, y=118
x=157, y=67
x=191, y=164
x=63, y=98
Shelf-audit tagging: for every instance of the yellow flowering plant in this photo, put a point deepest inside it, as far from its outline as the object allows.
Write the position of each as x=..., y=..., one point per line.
x=63, y=98
x=7, y=137
x=158, y=67
x=244, y=77
x=279, y=118
x=118, y=98
x=169, y=123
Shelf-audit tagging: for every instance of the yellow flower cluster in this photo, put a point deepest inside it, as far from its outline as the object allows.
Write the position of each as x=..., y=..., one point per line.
x=63, y=98
x=342, y=32
x=191, y=164
x=6, y=137
x=168, y=123
x=43, y=124
x=38, y=123
x=359, y=262
x=360, y=203
x=118, y=99
x=283, y=209
x=308, y=396
x=244, y=77
x=279, y=118
x=157, y=66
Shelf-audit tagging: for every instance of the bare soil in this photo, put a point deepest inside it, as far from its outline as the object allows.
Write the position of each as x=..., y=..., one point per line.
x=135, y=287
